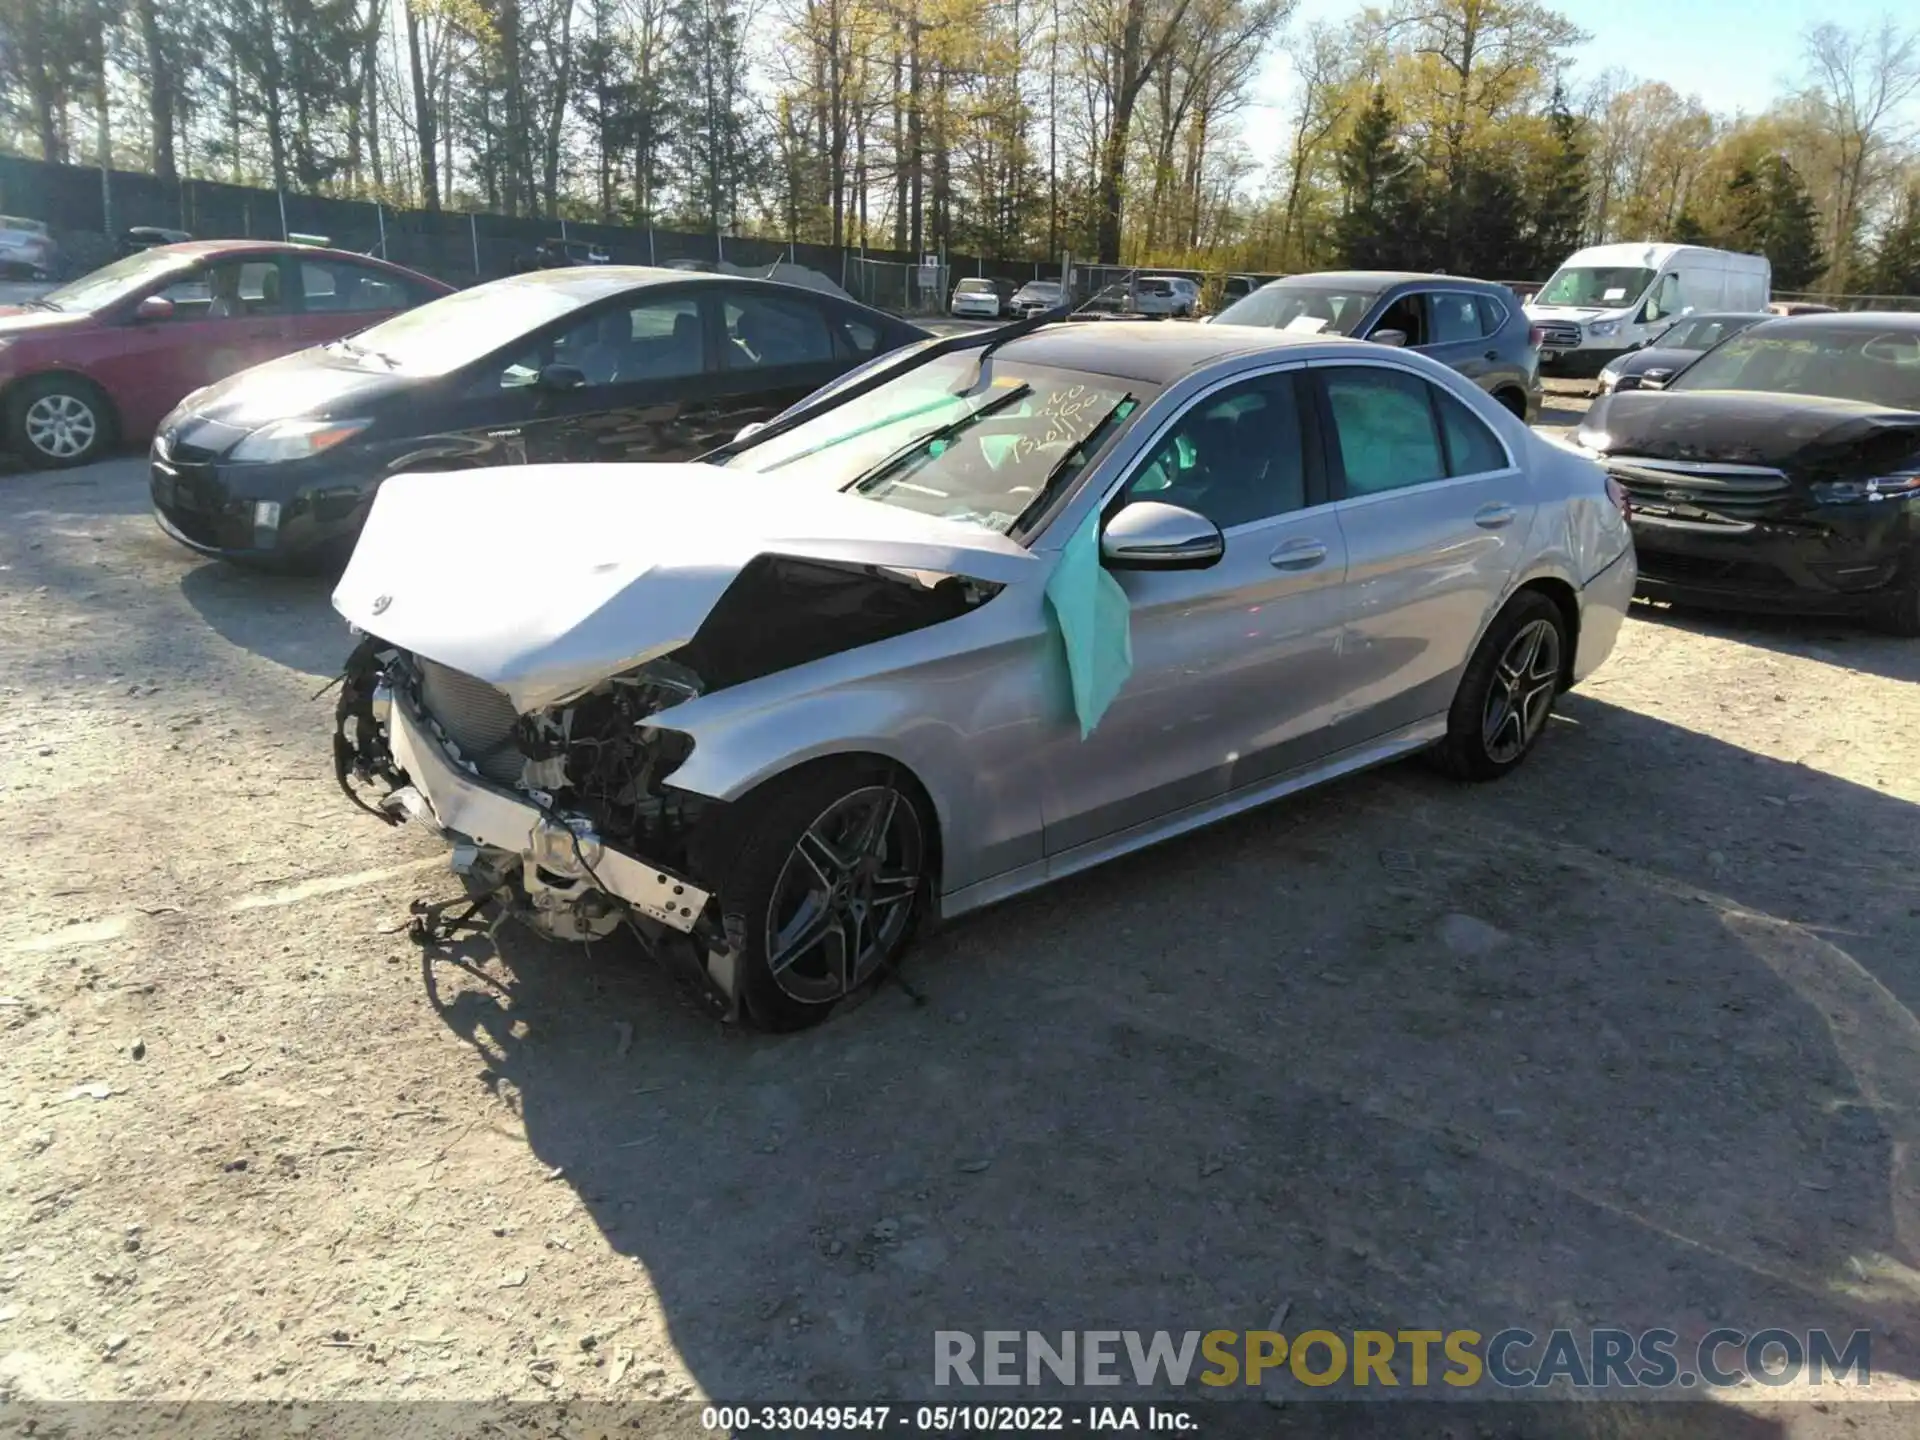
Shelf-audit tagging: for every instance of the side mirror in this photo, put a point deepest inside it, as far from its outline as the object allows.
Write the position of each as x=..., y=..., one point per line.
x=1394, y=338
x=562, y=377
x=750, y=429
x=1150, y=535
x=154, y=307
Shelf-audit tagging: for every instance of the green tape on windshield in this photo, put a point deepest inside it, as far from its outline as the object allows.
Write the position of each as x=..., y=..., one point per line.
x=1095, y=622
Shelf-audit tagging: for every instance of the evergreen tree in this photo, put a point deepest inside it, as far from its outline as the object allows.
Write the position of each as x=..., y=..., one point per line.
x=1558, y=198
x=1379, y=226
x=1687, y=230
x=1896, y=263
x=1792, y=239
x=1746, y=212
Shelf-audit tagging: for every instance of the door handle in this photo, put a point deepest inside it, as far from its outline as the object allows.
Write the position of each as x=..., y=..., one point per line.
x=1298, y=555
x=1492, y=517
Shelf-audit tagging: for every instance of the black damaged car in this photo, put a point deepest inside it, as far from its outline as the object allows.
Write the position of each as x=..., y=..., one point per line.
x=277, y=466
x=1780, y=471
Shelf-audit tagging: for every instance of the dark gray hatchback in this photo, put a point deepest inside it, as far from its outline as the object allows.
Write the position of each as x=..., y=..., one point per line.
x=1474, y=326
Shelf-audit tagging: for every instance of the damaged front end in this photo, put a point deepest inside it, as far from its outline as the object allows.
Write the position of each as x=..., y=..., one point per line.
x=560, y=819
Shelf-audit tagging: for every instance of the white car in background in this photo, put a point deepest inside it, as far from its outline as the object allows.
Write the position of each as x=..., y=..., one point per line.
x=977, y=299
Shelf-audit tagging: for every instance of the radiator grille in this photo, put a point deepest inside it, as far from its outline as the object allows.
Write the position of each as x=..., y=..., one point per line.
x=477, y=718
x=1739, y=492
x=1559, y=335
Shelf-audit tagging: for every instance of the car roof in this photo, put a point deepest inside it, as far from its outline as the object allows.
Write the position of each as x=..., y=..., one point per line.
x=1864, y=320
x=203, y=249
x=596, y=282
x=1156, y=351
x=1384, y=279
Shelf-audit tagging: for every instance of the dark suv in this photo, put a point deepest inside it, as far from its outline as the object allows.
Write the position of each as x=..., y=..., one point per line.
x=1477, y=328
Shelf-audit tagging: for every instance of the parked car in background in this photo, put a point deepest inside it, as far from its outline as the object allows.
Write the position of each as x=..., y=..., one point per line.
x=1780, y=470
x=557, y=254
x=1469, y=325
x=1609, y=299
x=27, y=249
x=1237, y=287
x=1800, y=307
x=1186, y=293
x=775, y=709
x=148, y=237
x=278, y=466
x=1679, y=347
x=979, y=297
x=1037, y=296
x=102, y=358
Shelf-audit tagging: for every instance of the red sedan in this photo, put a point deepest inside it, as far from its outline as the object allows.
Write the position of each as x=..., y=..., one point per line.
x=102, y=359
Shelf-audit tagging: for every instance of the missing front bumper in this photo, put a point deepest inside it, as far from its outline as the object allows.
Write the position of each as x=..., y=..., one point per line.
x=469, y=810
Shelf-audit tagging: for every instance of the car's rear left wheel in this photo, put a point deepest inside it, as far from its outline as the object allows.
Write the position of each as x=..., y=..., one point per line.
x=823, y=895
x=1507, y=691
x=57, y=421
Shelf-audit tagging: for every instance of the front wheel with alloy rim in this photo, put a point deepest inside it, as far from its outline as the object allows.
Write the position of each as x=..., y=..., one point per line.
x=1507, y=690
x=53, y=421
x=822, y=897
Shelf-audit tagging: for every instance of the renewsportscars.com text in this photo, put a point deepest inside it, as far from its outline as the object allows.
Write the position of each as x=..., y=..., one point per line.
x=1513, y=1358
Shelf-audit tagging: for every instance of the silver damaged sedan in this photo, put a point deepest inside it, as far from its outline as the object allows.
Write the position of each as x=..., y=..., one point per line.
x=988, y=611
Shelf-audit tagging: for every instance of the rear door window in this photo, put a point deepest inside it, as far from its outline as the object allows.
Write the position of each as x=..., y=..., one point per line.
x=337, y=286
x=1493, y=314
x=1385, y=435
x=1455, y=317
x=765, y=332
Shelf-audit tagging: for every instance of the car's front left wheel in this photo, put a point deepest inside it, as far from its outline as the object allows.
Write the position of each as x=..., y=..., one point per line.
x=58, y=420
x=822, y=895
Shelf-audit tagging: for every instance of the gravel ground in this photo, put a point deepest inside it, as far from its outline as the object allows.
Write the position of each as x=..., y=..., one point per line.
x=1626, y=1040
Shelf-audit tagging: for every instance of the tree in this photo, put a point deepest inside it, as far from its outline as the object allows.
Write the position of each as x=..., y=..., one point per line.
x=1896, y=263
x=1860, y=82
x=1373, y=231
x=1556, y=194
x=1791, y=241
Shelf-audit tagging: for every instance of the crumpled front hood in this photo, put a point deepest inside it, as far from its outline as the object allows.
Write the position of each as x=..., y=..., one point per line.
x=545, y=579
x=1638, y=362
x=19, y=320
x=1803, y=433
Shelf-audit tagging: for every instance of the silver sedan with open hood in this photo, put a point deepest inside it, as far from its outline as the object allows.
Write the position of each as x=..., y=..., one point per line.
x=982, y=615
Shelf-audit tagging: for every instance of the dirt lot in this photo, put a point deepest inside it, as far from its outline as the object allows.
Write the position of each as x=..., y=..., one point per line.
x=1667, y=1071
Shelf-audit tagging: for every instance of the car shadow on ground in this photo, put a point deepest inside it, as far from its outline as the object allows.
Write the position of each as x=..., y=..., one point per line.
x=1398, y=1054
x=284, y=618
x=1848, y=644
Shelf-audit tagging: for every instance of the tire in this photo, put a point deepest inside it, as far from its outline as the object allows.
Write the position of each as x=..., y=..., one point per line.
x=56, y=421
x=1515, y=402
x=1901, y=615
x=1490, y=730
x=834, y=847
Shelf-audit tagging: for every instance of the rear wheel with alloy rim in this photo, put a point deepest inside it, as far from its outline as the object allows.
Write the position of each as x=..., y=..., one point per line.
x=55, y=421
x=1507, y=690
x=822, y=898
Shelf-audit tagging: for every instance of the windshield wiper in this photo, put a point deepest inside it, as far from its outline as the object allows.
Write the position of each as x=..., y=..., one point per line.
x=40, y=303
x=883, y=374
x=953, y=427
x=1064, y=466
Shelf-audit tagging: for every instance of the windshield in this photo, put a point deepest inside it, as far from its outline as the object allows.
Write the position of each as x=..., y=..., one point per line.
x=113, y=283
x=1593, y=288
x=975, y=287
x=1311, y=307
x=990, y=446
x=1880, y=367
x=442, y=335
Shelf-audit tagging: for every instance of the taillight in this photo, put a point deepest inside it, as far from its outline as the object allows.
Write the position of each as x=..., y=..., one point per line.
x=1536, y=337
x=1622, y=501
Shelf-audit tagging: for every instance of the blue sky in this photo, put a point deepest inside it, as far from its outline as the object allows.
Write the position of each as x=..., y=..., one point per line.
x=1733, y=54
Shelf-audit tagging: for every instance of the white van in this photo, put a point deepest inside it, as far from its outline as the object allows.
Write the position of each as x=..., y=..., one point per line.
x=1609, y=299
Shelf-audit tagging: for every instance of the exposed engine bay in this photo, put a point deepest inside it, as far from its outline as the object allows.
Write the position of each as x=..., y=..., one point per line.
x=566, y=818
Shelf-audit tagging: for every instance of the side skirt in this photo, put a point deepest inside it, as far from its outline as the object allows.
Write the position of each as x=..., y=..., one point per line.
x=1390, y=747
